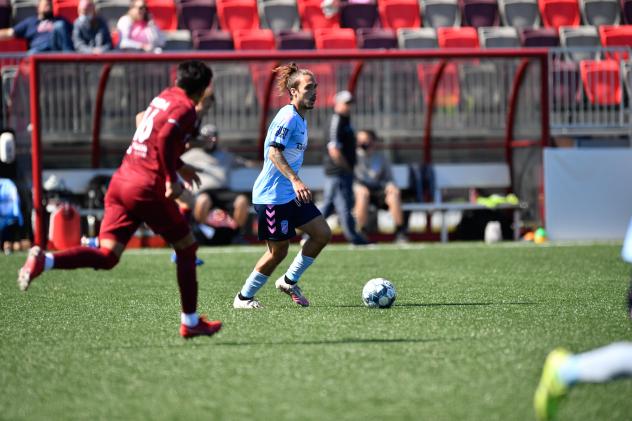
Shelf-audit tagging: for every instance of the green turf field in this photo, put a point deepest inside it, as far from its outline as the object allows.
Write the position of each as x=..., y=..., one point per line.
x=465, y=340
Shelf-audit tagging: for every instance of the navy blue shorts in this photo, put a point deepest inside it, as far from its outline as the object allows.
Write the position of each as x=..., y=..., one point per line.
x=279, y=222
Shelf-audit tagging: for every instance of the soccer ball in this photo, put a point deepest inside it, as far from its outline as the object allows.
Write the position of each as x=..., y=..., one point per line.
x=379, y=292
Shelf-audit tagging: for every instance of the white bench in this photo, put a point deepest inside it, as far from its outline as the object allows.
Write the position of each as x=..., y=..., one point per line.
x=465, y=176
x=76, y=181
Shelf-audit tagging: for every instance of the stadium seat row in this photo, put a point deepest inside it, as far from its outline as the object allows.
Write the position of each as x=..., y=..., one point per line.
x=405, y=38
x=286, y=15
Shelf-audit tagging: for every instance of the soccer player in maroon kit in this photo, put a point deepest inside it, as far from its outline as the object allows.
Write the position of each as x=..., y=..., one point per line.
x=144, y=189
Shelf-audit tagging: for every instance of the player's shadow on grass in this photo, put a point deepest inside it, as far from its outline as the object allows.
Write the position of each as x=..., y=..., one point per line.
x=342, y=341
x=510, y=303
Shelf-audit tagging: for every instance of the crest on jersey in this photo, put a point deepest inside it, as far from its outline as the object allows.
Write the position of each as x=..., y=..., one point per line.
x=284, y=226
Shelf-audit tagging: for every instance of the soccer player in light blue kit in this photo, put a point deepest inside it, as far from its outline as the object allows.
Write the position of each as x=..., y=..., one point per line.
x=282, y=201
x=563, y=370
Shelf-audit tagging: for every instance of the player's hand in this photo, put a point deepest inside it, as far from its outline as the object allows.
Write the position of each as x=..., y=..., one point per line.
x=302, y=192
x=189, y=175
x=173, y=190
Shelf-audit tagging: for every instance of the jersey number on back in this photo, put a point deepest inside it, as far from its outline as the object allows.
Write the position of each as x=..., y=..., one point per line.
x=146, y=125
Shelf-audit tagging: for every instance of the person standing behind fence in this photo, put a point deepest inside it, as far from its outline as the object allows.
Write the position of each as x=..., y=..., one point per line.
x=44, y=32
x=282, y=201
x=90, y=33
x=374, y=183
x=138, y=30
x=144, y=189
x=340, y=160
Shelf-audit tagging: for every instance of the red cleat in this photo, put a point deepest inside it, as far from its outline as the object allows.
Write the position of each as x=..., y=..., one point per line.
x=32, y=268
x=203, y=328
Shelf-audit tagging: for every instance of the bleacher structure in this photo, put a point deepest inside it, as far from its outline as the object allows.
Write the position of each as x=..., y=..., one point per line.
x=478, y=75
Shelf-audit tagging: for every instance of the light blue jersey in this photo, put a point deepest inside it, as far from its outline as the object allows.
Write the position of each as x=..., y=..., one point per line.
x=289, y=131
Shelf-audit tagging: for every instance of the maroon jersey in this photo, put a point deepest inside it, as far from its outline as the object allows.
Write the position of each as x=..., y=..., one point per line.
x=154, y=155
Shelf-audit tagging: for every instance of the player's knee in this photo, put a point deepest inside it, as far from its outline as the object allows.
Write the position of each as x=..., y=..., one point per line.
x=322, y=235
x=241, y=201
x=202, y=207
x=362, y=193
x=279, y=253
x=187, y=252
x=110, y=259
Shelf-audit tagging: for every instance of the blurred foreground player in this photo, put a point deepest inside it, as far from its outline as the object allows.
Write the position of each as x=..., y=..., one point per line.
x=144, y=189
x=563, y=370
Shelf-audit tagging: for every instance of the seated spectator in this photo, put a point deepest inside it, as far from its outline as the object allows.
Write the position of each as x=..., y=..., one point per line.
x=138, y=31
x=43, y=32
x=10, y=215
x=214, y=165
x=90, y=33
x=374, y=184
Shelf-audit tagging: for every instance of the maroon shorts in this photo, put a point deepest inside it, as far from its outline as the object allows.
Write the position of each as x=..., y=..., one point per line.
x=128, y=205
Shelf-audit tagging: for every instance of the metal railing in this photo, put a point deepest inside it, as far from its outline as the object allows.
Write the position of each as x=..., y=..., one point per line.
x=590, y=91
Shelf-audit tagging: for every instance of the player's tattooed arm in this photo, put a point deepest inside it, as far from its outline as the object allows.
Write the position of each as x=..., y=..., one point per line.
x=302, y=192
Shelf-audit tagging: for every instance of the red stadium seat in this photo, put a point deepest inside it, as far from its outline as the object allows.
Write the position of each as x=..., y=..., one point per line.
x=614, y=36
x=335, y=38
x=257, y=39
x=453, y=37
x=601, y=81
x=254, y=39
x=13, y=45
x=556, y=13
x=164, y=13
x=67, y=9
x=116, y=38
x=397, y=14
x=448, y=91
x=312, y=16
x=238, y=14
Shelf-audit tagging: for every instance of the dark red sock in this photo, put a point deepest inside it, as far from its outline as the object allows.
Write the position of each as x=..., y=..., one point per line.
x=85, y=257
x=187, y=278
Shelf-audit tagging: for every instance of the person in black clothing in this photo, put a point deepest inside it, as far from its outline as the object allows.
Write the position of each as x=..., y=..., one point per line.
x=339, y=162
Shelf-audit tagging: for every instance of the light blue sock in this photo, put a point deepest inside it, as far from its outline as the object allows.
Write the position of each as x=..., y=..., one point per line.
x=298, y=266
x=568, y=372
x=254, y=282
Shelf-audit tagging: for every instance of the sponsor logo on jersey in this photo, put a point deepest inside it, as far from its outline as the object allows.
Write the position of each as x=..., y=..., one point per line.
x=300, y=146
x=281, y=132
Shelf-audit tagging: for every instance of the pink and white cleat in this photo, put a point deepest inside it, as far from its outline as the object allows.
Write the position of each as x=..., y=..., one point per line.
x=32, y=268
x=294, y=291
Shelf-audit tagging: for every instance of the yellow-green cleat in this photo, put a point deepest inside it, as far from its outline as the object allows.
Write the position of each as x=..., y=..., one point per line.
x=551, y=389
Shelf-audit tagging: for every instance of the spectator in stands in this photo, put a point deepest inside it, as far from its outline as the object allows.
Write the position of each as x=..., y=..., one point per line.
x=214, y=165
x=374, y=184
x=90, y=33
x=138, y=30
x=339, y=162
x=10, y=215
x=43, y=32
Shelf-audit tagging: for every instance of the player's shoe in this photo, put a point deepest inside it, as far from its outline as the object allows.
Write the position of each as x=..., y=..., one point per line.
x=203, y=328
x=551, y=389
x=32, y=268
x=294, y=291
x=251, y=303
x=174, y=259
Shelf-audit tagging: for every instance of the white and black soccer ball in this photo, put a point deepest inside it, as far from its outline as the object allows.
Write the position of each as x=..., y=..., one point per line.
x=379, y=292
